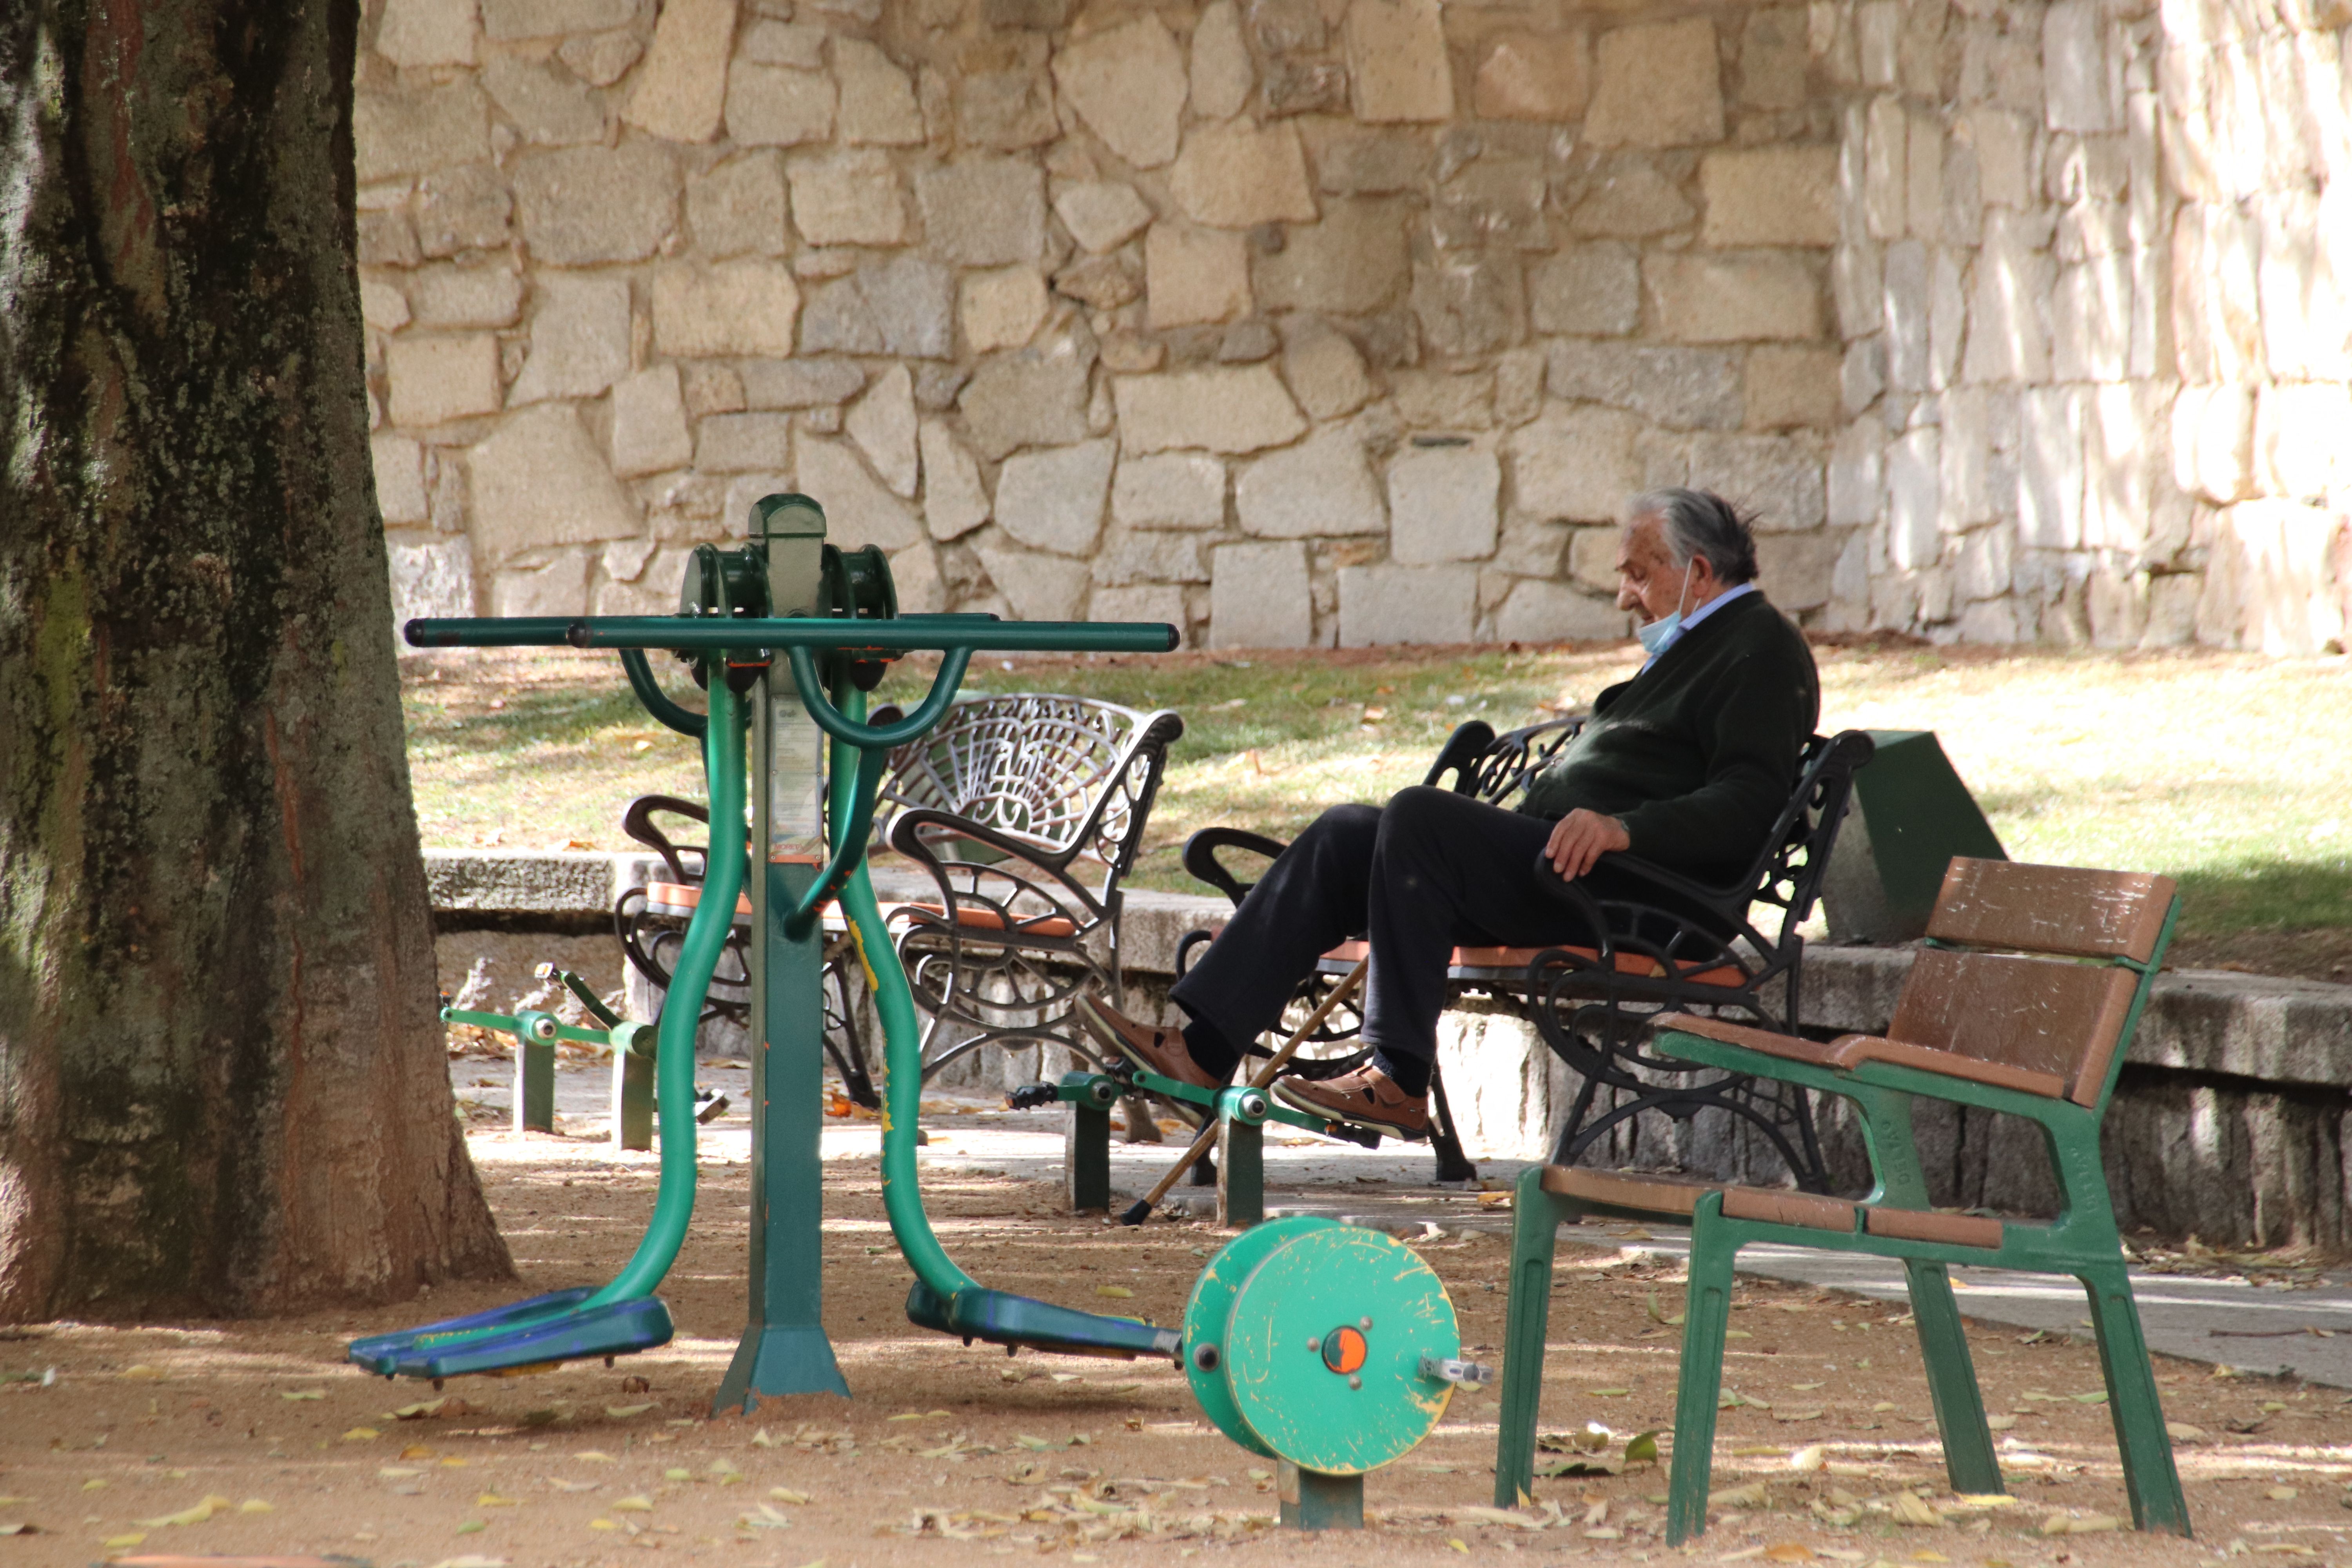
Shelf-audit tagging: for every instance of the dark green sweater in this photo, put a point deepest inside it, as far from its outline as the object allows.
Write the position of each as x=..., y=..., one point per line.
x=1697, y=754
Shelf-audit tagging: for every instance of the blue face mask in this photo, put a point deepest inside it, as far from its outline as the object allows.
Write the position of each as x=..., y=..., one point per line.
x=1657, y=633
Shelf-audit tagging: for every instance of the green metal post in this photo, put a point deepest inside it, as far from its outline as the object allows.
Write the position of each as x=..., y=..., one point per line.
x=1310, y=1499
x=2150, y=1478
x=1241, y=1159
x=1535, y=1218
x=1707, y=1317
x=534, y=1085
x=633, y=1086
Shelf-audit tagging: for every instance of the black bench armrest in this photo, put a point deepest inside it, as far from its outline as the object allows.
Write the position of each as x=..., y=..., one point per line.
x=1200, y=856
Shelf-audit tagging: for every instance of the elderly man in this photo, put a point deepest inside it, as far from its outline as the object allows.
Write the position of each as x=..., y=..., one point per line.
x=1686, y=765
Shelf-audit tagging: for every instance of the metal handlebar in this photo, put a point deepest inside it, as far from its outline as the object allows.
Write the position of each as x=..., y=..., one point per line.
x=900, y=634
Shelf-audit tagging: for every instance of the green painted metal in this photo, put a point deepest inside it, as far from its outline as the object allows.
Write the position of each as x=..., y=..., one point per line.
x=534, y=1081
x=1206, y=1099
x=2082, y=1241
x=633, y=1086
x=1086, y=1142
x=1356, y=1415
x=1208, y=1319
x=1308, y=1500
x=1912, y=815
x=1241, y=1115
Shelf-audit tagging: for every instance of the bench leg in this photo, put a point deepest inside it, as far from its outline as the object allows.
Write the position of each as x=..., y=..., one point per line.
x=1453, y=1164
x=2150, y=1476
x=1085, y=1160
x=1952, y=1381
x=1707, y=1317
x=1536, y=1216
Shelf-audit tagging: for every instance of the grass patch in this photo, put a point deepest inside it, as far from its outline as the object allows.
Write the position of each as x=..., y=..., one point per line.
x=2225, y=770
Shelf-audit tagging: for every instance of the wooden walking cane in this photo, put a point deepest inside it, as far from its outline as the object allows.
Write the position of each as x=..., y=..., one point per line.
x=1265, y=1076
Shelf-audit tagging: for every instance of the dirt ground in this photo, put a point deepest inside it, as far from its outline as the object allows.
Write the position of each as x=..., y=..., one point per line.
x=947, y=1455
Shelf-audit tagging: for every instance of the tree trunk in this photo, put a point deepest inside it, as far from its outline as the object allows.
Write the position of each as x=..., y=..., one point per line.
x=222, y=1082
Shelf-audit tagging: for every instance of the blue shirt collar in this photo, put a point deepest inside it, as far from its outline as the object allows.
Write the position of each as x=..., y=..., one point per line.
x=1696, y=616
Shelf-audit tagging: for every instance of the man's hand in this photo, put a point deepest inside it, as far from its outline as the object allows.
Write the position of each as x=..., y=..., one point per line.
x=1581, y=837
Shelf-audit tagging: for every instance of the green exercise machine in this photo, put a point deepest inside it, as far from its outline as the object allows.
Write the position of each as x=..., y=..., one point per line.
x=1332, y=1348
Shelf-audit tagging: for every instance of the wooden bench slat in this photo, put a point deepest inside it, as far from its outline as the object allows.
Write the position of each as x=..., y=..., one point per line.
x=2044, y=1015
x=1626, y=1189
x=1810, y=1210
x=1949, y=1229
x=2065, y=910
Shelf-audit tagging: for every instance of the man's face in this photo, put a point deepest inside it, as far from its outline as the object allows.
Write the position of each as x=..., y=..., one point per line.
x=1647, y=578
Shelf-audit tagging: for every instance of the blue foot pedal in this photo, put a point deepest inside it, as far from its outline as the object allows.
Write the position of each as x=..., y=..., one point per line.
x=537, y=1332
x=380, y=1353
x=1001, y=1318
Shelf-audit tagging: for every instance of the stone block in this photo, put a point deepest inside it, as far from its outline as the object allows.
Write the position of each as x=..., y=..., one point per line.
x=1923, y=179
x=882, y=423
x=1887, y=164
x=682, y=86
x=1657, y=84
x=1352, y=262
x=738, y=207
x=1223, y=409
x=2213, y=442
x=558, y=587
x=849, y=197
x=399, y=465
x=436, y=379
x=430, y=577
x=1102, y=283
x=1857, y=469
x=1793, y=387
x=1778, y=476
x=1770, y=195
x=1322, y=487
x=1576, y=465
x=913, y=304
x=1630, y=199
x=1260, y=596
x=1541, y=612
x=1194, y=275
x=800, y=382
x=2049, y=468
x=771, y=106
x=737, y=307
x=954, y=500
x=1123, y=560
x=1222, y=74
x=443, y=297
x=388, y=239
x=2303, y=441
x=2090, y=320
x=426, y=32
x=2003, y=144
x=1444, y=399
x=1756, y=297
x=1984, y=568
x=1035, y=397
x=1038, y=587
x=1382, y=606
x=507, y=20
x=743, y=443
x=858, y=510
x=1235, y=175
x=1442, y=504
x=1907, y=319
x=1054, y=500
x=395, y=134
x=1914, y=501
x=2080, y=86
x=649, y=432
x=1101, y=215
x=1586, y=291
x=2007, y=339
x=1001, y=309
x=1495, y=202
x=548, y=108
x=2217, y=313
x=579, y=338
x=1128, y=83
x=1325, y=372
x=1774, y=50
x=877, y=100
x=1592, y=557
x=1684, y=389
x=982, y=211
x=1352, y=161
x=1794, y=570
x=1470, y=304
x=457, y=210
x=540, y=480
x=1164, y=605
x=600, y=59
x=1170, y=490
x=1535, y=76
x=581, y=206
x=1397, y=68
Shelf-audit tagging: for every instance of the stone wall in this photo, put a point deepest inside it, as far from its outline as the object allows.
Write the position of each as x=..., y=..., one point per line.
x=1304, y=323
x=2094, y=281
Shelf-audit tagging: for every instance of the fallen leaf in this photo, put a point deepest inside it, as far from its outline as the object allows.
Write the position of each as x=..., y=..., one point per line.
x=19, y=1528
x=1752, y=1495
x=640, y=1503
x=473, y=1527
x=362, y=1435
x=785, y=1494
x=492, y=1500
x=2182, y=1432
x=2283, y=1494
x=196, y=1514
x=133, y=1539
x=143, y=1373
x=1999, y=1423
x=1116, y=1292
x=1908, y=1507
x=594, y=1457
x=1812, y=1456
x=622, y=1412
x=419, y=1412
x=302, y=1393
x=1788, y=1551
x=1609, y=1392
x=255, y=1505
x=471, y=1560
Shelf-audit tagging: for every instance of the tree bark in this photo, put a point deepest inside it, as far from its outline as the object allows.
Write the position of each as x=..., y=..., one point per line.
x=222, y=1083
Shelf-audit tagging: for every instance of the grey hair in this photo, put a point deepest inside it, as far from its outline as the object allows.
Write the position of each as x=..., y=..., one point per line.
x=1700, y=522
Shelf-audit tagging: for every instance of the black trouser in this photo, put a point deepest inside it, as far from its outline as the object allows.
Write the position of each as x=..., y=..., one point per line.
x=1430, y=871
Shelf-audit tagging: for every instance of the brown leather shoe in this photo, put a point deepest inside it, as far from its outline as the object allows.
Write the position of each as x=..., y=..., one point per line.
x=1148, y=1047
x=1367, y=1097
